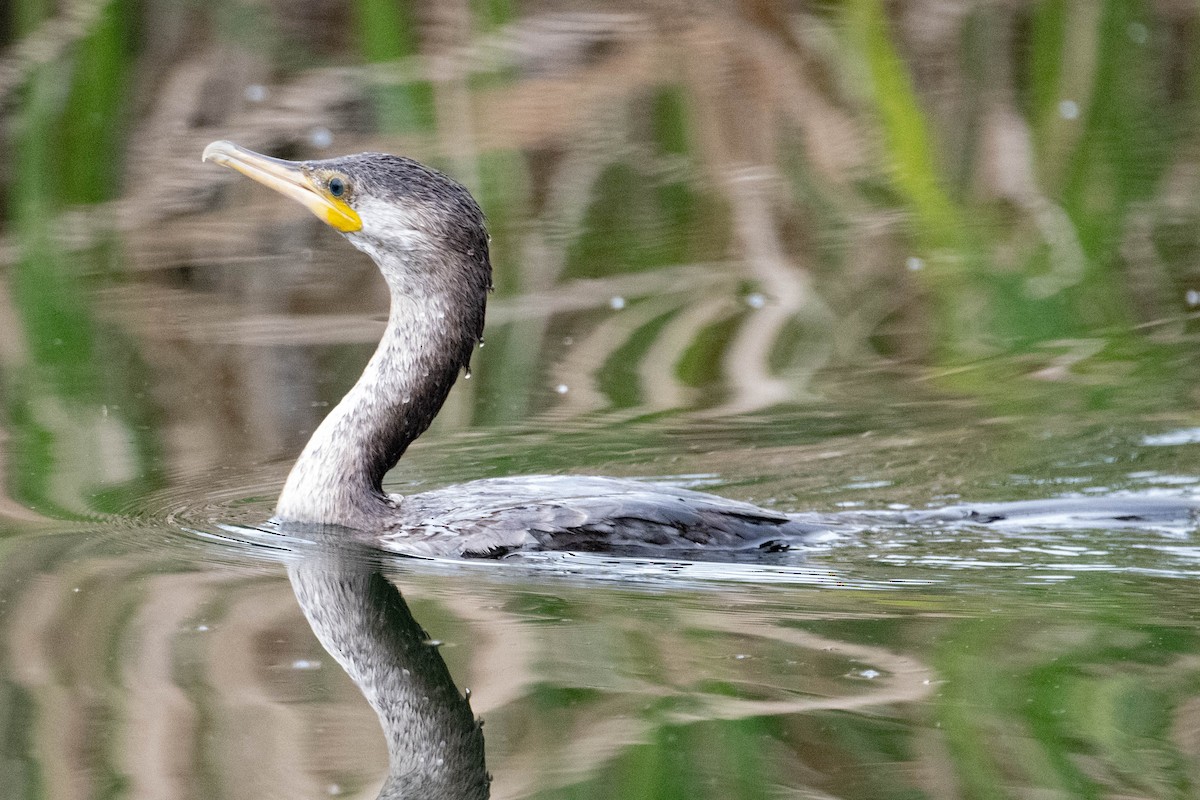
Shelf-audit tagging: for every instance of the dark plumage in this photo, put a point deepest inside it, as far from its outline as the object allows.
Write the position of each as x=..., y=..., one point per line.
x=427, y=235
x=452, y=262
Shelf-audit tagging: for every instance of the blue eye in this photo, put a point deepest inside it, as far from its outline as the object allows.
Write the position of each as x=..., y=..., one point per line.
x=337, y=187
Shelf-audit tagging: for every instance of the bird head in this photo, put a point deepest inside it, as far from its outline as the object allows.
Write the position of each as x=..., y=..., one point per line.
x=422, y=228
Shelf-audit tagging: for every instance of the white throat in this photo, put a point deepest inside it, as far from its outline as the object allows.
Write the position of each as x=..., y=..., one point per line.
x=336, y=479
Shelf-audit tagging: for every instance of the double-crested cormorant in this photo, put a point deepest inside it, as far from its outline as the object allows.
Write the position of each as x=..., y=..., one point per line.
x=427, y=236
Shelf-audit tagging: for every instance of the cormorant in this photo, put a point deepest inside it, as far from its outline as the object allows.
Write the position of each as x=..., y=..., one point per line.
x=427, y=236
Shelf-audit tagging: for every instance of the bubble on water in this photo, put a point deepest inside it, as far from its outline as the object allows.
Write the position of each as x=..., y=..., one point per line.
x=320, y=137
x=616, y=303
x=306, y=664
x=255, y=93
x=869, y=674
x=333, y=790
x=756, y=300
x=1192, y=297
x=914, y=263
x=562, y=388
x=1068, y=109
x=202, y=628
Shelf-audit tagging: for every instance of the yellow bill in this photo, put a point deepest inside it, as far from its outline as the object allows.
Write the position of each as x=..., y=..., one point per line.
x=289, y=179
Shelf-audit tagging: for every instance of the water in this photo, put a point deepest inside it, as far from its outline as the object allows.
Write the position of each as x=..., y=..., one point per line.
x=817, y=257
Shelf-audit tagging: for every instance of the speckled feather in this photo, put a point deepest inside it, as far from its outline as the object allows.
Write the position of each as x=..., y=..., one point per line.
x=427, y=235
x=492, y=517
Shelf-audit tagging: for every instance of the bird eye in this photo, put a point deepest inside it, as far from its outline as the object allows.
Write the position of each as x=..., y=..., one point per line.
x=337, y=187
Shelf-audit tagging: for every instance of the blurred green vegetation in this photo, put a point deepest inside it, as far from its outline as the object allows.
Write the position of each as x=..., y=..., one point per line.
x=387, y=33
x=67, y=141
x=981, y=286
x=1056, y=289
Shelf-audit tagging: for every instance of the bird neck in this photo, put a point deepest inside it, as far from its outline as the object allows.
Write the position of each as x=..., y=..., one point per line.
x=337, y=480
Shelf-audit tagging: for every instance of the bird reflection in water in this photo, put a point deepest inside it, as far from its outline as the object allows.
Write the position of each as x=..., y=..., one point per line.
x=434, y=741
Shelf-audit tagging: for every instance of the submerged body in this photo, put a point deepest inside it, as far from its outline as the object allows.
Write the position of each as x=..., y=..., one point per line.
x=494, y=517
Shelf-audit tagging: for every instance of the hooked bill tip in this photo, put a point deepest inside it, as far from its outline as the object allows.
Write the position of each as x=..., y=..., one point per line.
x=217, y=150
